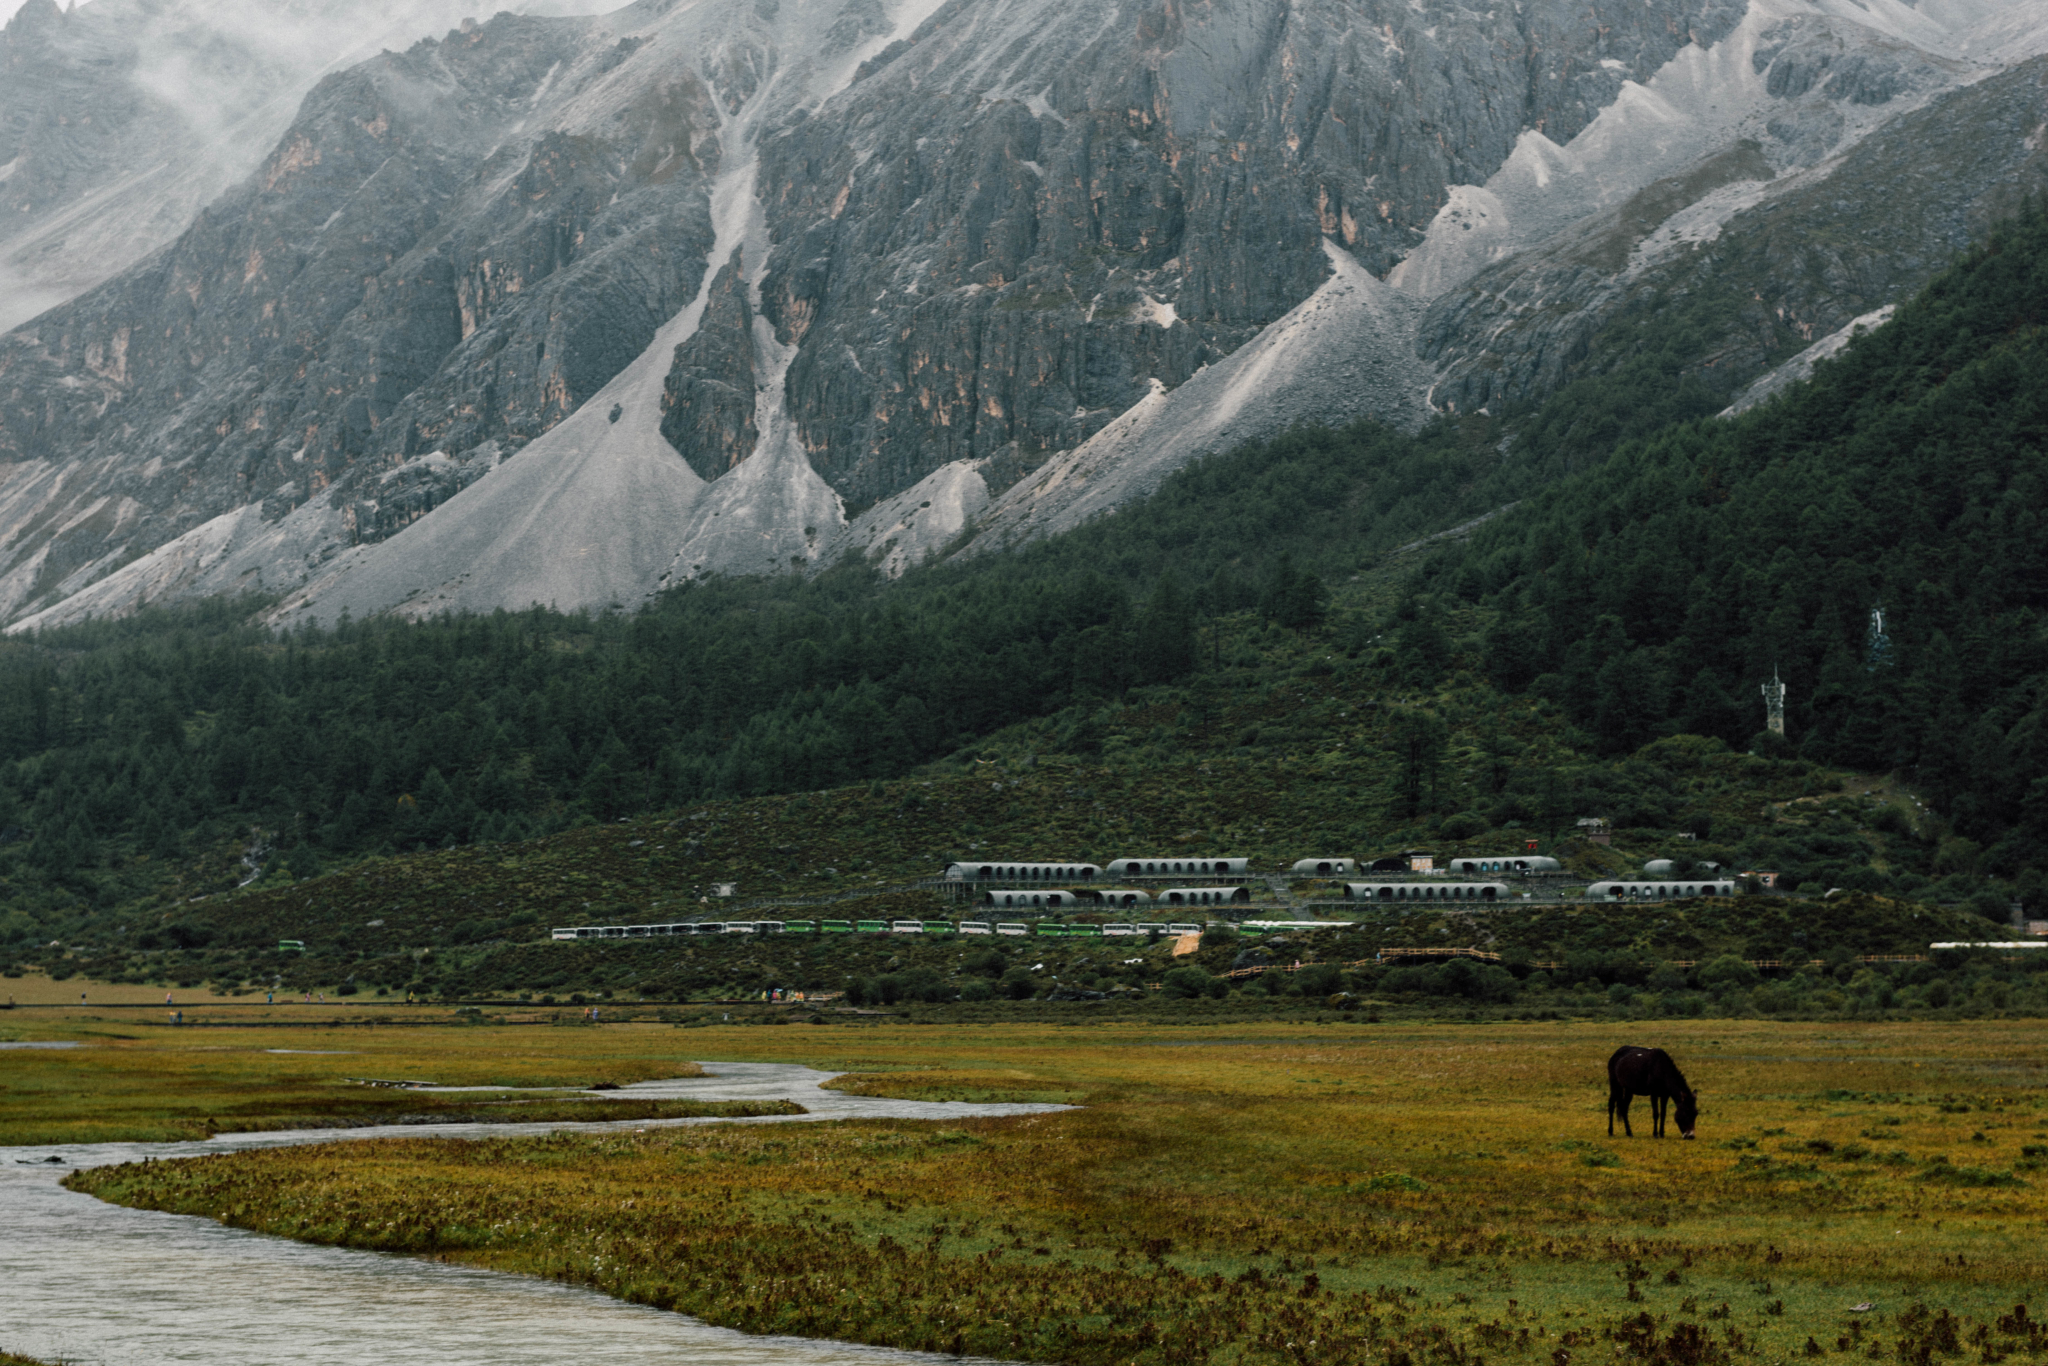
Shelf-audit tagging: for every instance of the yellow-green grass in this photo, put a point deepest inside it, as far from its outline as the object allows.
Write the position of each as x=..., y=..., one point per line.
x=40, y=989
x=126, y=1082
x=1400, y=1194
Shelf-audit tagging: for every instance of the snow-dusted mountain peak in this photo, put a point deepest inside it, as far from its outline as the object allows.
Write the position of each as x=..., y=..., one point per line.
x=569, y=310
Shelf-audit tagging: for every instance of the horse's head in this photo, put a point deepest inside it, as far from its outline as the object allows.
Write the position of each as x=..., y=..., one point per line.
x=1688, y=1112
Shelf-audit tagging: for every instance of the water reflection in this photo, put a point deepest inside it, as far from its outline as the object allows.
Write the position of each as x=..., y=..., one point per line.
x=90, y=1282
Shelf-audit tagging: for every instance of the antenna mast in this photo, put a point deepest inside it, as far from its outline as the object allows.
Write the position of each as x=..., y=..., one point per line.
x=1774, y=703
x=1880, y=639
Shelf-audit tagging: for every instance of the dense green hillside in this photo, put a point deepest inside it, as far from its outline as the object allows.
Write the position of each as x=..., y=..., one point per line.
x=1274, y=653
x=1296, y=748
x=1656, y=593
x=151, y=737
x=154, y=737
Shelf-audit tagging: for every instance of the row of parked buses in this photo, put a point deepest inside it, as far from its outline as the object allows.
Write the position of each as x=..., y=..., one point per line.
x=1040, y=930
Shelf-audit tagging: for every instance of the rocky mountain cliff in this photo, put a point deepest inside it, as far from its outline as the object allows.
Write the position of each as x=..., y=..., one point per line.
x=570, y=309
x=121, y=119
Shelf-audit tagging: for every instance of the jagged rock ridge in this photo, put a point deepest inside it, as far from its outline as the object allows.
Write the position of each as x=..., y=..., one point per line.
x=1018, y=258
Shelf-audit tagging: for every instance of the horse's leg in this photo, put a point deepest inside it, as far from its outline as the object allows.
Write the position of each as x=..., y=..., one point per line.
x=1627, y=1099
x=1613, y=1101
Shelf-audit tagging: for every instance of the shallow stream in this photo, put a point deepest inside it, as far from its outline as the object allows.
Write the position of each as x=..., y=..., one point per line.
x=83, y=1281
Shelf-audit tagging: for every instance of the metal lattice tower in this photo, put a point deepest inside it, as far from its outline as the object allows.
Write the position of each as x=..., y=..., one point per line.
x=1880, y=640
x=1774, y=703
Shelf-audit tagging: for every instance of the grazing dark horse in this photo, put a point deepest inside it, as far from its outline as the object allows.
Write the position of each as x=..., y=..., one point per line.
x=1633, y=1072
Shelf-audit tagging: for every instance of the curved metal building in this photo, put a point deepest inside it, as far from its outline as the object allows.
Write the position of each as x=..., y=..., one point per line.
x=1022, y=872
x=1503, y=863
x=1204, y=896
x=1658, y=891
x=1427, y=891
x=1019, y=898
x=1167, y=867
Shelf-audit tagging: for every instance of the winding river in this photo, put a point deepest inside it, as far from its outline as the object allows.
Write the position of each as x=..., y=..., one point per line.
x=83, y=1281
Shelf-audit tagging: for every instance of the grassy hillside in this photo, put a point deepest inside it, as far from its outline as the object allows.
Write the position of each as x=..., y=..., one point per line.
x=1297, y=742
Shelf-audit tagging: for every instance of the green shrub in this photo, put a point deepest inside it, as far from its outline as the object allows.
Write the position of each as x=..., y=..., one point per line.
x=1191, y=982
x=1728, y=971
x=1463, y=826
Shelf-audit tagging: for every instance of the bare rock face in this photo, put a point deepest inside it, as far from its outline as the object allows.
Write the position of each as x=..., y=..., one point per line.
x=669, y=291
x=1028, y=214
x=121, y=119
x=1784, y=266
x=398, y=277
x=708, y=399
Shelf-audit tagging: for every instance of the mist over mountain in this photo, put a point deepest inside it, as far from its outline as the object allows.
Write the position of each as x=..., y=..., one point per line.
x=572, y=309
x=121, y=119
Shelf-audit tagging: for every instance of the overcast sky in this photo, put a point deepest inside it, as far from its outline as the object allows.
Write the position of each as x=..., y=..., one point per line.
x=7, y=9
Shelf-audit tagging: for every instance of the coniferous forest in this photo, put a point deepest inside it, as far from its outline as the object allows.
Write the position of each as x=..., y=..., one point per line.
x=1642, y=565
x=1875, y=537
